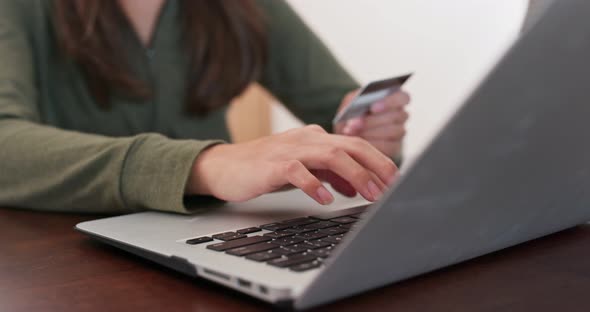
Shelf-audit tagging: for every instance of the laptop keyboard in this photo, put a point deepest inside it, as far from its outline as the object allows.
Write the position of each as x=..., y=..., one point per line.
x=299, y=244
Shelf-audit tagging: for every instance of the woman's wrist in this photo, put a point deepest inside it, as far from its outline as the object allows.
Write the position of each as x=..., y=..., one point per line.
x=199, y=179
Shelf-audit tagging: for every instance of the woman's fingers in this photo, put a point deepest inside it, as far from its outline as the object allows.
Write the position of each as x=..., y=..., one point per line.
x=388, y=147
x=384, y=119
x=393, y=102
x=339, y=184
x=391, y=132
x=353, y=126
x=351, y=158
x=343, y=187
x=382, y=186
x=295, y=173
x=369, y=157
x=341, y=163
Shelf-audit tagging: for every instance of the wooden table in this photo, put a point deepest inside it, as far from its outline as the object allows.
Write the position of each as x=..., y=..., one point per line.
x=47, y=266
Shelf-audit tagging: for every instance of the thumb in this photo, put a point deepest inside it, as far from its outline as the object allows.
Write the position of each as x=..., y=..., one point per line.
x=347, y=99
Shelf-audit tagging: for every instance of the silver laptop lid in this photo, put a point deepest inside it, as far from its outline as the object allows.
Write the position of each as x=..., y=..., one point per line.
x=511, y=165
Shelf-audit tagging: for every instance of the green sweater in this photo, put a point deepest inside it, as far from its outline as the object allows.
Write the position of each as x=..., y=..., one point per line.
x=60, y=152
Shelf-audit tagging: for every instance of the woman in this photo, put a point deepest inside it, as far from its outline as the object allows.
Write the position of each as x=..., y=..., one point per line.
x=117, y=106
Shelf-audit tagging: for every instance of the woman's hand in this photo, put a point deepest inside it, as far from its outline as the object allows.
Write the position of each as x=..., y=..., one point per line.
x=384, y=126
x=299, y=157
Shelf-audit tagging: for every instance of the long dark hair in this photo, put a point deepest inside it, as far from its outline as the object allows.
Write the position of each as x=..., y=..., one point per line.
x=225, y=41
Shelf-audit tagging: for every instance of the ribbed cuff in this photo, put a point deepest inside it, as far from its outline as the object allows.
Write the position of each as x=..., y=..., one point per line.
x=156, y=171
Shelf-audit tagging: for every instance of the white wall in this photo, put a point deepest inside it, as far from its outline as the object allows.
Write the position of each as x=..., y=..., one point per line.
x=449, y=45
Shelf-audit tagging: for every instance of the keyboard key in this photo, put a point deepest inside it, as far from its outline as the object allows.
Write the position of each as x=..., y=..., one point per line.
x=319, y=243
x=321, y=225
x=199, y=240
x=286, y=241
x=297, y=248
x=249, y=230
x=280, y=234
x=299, y=221
x=250, y=249
x=347, y=226
x=281, y=225
x=305, y=266
x=344, y=220
x=292, y=260
x=276, y=226
x=334, y=230
x=285, y=251
x=216, y=236
x=227, y=236
x=233, y=237
x=265, y=256
x=332, y=239
x=238, y=243
x=324, y=252
x=340, y=213
x=301, y=229
x=311, y=235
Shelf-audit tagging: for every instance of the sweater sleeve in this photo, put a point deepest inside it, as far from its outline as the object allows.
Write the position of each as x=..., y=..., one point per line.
x=46, y=168
x=301, y=71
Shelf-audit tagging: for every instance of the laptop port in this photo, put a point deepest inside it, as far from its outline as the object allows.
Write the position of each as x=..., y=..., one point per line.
x=263, y=289
x=244, y=283
x=216, y=274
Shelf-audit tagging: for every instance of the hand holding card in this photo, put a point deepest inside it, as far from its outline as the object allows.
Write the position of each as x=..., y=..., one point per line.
x=381, y=121
x=369, y=94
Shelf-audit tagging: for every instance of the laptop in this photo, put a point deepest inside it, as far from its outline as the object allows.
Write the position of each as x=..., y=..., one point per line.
x=512, y=165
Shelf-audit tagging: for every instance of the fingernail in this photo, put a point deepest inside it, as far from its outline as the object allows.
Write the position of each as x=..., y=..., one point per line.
x=347, y=130
x=374, y=190
x=394, y=178
x=352, y=126
x=378, y=107
x=356, y=123
x=325, y=196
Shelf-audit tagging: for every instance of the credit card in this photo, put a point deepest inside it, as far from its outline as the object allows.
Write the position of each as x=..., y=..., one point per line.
x=369, y=94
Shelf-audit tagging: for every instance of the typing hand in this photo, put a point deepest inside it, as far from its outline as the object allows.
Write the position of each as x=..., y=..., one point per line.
x=299, y=157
